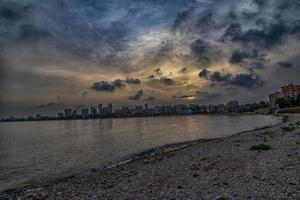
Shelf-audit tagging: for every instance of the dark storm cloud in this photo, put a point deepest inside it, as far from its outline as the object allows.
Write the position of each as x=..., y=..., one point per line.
x=242, y=80
x=285, y=64
x=105, y=86
x=137, y=96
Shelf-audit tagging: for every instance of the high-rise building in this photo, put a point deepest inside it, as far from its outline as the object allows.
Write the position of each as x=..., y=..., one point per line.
x=287, y=91
x=290, y=90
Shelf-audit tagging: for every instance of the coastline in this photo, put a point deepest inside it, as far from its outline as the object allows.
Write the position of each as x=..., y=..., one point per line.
x=154, y=155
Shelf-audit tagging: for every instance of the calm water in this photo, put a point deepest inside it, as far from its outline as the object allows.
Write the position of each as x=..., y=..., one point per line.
x=35, y=151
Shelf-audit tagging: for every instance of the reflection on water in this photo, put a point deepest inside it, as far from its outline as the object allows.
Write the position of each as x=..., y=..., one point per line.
x=31, y=151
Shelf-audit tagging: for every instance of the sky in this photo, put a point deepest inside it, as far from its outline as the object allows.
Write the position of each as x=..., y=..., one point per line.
x=74, y=53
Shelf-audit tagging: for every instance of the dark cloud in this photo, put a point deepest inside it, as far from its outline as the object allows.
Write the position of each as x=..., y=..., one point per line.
x=50, y=105
x=248, y=59
x=259, y=2
x=242, y=80
x=32, y=33
x=181, y=18
x=247, y=80
x=165, y=50
x=13, y=11
x=183, y=70
x=150, y=98
x=137, y=96
x=284, y=64
x=104, y=86
x=182, y=96
x=116, y=84
x=267, y=37
x=238, y=57
x=203, y=52
x=204, y=73
x=162, y=83
x=157, y=71
x=167, y=81
x=133, y=81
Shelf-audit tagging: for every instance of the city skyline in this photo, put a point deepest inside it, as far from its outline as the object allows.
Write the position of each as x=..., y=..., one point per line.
x=70, y=53
x=108, y=111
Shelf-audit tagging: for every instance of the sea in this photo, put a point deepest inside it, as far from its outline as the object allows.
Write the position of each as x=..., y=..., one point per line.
x=37, y=151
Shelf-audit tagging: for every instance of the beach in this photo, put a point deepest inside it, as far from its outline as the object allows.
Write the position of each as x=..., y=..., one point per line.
x=226, y=168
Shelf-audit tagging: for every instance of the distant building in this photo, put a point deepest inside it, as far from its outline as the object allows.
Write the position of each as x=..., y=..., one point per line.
x=100, y=110
x=273, y=98
x=182, y=109
x=220, y=108
x=110, y=109
x=203, y=109
x=68, y=113
x=93, y=112
x=30, y=118
x=146, y=107
x=287, y=91
x=60, y=115
x=290, y=90
x=38, y=116
x=85, y=113
x=212, y=108
x=232, y=106
x=195, y=108
x=74, y=113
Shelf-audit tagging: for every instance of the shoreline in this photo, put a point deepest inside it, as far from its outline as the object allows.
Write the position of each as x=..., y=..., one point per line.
x=156, y=151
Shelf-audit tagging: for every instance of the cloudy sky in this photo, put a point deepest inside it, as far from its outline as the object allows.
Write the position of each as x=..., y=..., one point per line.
x=71, y=53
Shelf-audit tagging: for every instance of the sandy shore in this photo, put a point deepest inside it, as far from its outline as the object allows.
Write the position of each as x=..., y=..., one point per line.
x=224, y=168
